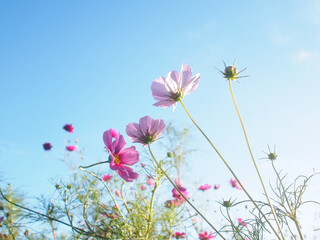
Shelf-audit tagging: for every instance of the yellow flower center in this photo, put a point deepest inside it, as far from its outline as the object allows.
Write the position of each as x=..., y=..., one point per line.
x=117, y=159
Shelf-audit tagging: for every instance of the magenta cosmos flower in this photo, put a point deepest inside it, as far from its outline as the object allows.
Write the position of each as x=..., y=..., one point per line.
x=68, y=127
x=120, y=157
x=47, y=146
x=70, y=148
x=168, y=91
x=147, y=131
x=178, y=235
x=183, y=190
x=106, y=178
x=234, y=183
x=205, y=187
x=206, y=236
x=241, y=222
x=216, y=186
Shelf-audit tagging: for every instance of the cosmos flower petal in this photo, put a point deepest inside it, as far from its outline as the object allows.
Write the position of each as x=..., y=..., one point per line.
x=129, y=156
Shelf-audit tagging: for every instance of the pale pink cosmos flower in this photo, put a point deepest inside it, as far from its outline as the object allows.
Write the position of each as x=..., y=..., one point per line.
x=120, y=157
x=70, y=148
x=118, y=193
x=168, y=91
x=205, y=187
x=183, y=190
x=106, y=178
x=241, y=222
x=147, y=131
x=206, y=236
x=216, y=186
x=178, y=235
x=234, y=183
x=150, y=181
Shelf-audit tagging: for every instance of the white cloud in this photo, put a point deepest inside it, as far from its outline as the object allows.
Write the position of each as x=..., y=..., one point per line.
x=302, y=55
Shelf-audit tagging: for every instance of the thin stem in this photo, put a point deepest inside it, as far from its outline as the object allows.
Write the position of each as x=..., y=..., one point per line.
x=151, y=210
x=230, y=169
x=294, y=218
x=98, y=163
x=113, y=198
x=234, y=228
x=254, y=161
x=48, y=217
x=186, y=199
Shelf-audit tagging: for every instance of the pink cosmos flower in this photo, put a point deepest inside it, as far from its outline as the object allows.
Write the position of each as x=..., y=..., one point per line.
x=205, y=187
x=183, y=190
x=120, y=157
x=106, y=178
x=206, y=236
x=47, y=146
x=71, y=148
x=118, y=193
x=216, y=186
x=179, y=235
x=143, y=165
x=234, y=183
x=150, y=181
x=147, y=131
x=168, y=91
x=173, y=203
x=143, y=187
x=241, y=222
x=68, y=127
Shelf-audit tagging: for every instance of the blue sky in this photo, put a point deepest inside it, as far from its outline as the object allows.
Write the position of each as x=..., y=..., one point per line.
x=92, y=64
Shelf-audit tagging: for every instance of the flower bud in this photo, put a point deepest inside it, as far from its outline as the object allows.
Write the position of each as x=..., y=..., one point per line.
x=169, y=155
x=69, y=186
x=58, y=186
x=227, y=204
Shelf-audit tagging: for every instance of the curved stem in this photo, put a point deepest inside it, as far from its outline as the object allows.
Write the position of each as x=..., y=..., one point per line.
x=254, y=161
x=48, y=217
x=230, y=169
x=98, y=163
x=287, y=200
x=186, y=199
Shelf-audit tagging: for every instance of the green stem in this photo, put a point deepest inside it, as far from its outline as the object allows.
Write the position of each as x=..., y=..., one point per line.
x=186, y=199
x=151, y=210
x=79, y=230
x=293, y=215
x=98, y=163
x=254, y=161
x=230, y=169
x=234, y=228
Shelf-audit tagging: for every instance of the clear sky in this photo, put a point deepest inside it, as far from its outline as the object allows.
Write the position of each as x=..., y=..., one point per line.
x=91, y=63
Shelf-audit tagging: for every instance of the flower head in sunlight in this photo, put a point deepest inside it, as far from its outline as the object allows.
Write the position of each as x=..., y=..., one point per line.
x=234, y=183
x=231, y=72
x=183, y=190
x=68, y=127
x=150, y=181
x=206, y=236
x=147, y=131
x=216, y=186
x=168, y=91
x=178, y=235
x=106, y=178
x=271, y=155
x=47, y=146
x=71, y=148
x=205, y=187
x=120, y=157
x=241, y=222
